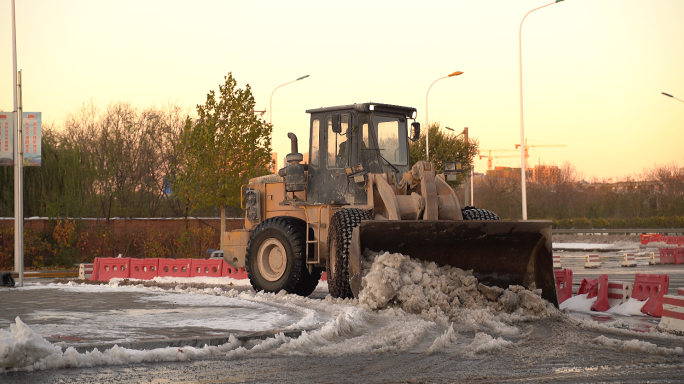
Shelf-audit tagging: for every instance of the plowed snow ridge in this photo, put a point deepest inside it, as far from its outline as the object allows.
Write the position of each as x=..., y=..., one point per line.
x=405, y=305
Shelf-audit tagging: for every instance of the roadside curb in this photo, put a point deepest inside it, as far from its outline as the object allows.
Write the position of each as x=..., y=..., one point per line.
x=196, y=342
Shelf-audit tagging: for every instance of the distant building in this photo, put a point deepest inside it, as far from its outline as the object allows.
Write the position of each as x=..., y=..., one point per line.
x=508, y=173
x=546, y=173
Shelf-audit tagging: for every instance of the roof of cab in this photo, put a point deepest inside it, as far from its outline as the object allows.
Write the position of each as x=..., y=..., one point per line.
x=366, y=107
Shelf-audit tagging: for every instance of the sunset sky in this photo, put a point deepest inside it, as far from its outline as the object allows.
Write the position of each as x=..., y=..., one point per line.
x=594, y=70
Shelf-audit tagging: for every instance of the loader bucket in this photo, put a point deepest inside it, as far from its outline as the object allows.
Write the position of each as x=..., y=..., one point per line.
x=500, y=253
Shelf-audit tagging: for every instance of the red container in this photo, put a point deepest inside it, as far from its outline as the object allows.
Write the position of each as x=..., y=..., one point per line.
x=202, y=267
x=144, y=269
x=174, y=267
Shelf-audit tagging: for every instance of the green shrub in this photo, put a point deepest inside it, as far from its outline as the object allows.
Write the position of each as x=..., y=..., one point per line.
x=582, y=223
x=600, y=223
x=617, y=223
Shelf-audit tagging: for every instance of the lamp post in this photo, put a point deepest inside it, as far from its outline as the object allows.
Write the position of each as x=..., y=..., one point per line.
x=668, y=95
x=522, y=123
x=427, y=122
x=18, y=162
x=270, y=103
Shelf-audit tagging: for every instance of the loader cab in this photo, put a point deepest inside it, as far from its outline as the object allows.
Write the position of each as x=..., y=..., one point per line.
x=373, y=135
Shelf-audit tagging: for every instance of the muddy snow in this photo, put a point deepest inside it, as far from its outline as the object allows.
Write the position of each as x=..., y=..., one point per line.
x=404, y=305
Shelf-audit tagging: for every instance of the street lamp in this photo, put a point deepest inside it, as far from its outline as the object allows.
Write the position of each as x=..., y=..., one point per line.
x=668, y=95
x=270, y=103
x=522, y=124
x=427, y=122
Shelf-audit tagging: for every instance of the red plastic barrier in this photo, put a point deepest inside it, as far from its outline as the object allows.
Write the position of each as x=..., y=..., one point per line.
x=563, y=284
x=96, y=267
x=174, y=267
x=651, y=288
x=144, y=269
x=645, y=239
x=204, y=267
x=590, y=286
x=110, y=267
x=601, y=304
x=667, y=255
x=233, y=273
x=679, y=255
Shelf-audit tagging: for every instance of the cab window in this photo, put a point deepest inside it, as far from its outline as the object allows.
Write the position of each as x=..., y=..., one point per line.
x=314, y=155
x=337, y=143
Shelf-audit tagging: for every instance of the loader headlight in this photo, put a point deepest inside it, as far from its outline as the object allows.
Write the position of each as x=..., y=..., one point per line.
x=452, y=169
x=414, y=114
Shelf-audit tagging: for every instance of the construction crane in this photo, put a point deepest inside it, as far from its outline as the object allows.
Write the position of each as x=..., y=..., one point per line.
x=528, y=146
x=489, y=156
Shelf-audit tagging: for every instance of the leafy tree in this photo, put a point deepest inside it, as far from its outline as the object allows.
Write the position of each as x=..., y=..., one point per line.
x=225, y=147
x=446, y=147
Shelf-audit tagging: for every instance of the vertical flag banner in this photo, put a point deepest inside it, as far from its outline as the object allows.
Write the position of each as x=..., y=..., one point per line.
x=6, y=139
x=32, y=132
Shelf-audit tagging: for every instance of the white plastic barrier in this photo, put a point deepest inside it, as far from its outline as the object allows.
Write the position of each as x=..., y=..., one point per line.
x=655, y=258
x=628, y=260
x=85, y=270
x=592, y=261
x=673, y=314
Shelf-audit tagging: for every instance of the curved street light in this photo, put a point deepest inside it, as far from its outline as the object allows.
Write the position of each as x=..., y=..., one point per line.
x=270, y=103
x=427, y=122
x=668, y=95
x=522, y=124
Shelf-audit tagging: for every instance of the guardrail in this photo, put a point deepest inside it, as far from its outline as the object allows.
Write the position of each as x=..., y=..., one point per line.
x=635, y=231
x=49, y=274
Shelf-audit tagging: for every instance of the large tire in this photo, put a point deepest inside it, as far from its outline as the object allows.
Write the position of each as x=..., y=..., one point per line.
x=276, y=258
x=472, y=213
x=342, y=224
x=306, y=287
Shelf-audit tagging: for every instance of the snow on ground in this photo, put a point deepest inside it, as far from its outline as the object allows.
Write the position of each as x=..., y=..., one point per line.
x=192, y=280
x=404, y=305
x=580, y=303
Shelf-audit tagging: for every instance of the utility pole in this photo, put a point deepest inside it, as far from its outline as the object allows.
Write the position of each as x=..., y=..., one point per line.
x=18, y=163
x=467, y=190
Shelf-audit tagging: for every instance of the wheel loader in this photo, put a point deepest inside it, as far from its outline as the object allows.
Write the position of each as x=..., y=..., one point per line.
x=358, y=192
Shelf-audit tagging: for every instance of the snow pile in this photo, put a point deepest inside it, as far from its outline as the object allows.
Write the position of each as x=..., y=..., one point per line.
x=637, y=346
x=404, y=305
x=630, y=308
x=392, y=280
x=578, y=303
x=25, y=350
x=21, y=346
x=443, y=342
x=484, y=343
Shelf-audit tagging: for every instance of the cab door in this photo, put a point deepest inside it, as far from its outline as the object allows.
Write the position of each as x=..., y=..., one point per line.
x=328, y=183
